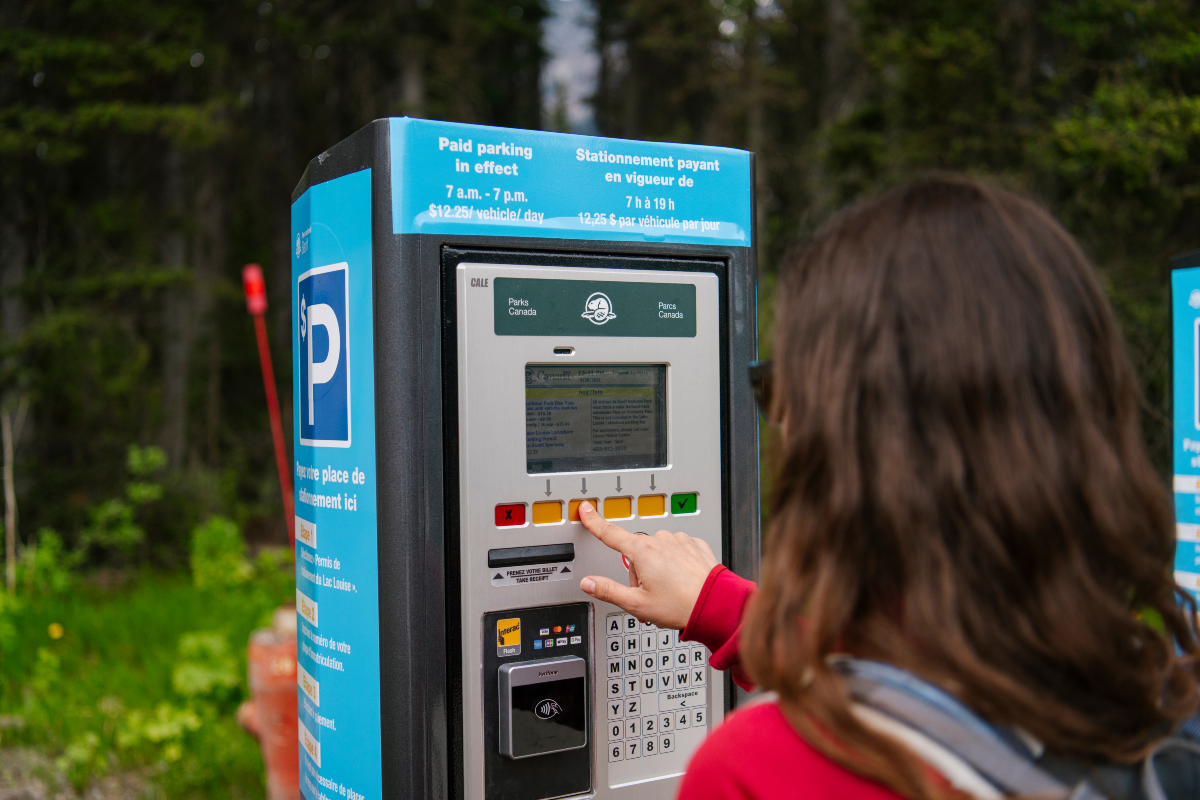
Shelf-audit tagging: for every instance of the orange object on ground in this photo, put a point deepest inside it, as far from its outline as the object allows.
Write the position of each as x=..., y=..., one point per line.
x=271, y=713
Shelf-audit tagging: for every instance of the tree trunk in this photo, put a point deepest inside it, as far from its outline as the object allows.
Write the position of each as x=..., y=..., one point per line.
x=177, y=313
x=280, y=274
x=10, y=504
x=10, y=432
x=413, y=81
x=208, y=256
x=841, y=93
x=412, y=61
x=756, y=135
x=14, y=255
x=841, y=63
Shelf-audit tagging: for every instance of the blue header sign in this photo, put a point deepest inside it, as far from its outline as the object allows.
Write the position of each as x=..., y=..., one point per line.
x=450, y=178
x=337, y=570
x=1185, y=312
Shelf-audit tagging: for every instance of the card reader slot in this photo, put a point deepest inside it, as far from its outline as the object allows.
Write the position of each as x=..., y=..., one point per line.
x=529, y=556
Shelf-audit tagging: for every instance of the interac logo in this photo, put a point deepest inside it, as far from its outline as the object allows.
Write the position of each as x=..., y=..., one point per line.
x=508, y=632
x=324, y=356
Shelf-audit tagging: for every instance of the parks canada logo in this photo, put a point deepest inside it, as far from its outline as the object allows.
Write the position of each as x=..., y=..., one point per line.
x=598, y=308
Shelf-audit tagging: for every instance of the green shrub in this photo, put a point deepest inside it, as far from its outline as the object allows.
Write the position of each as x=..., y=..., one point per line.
x=206, y=668
x=219, y=555
x=45, y=567
x=111, y=525
x=120, y=688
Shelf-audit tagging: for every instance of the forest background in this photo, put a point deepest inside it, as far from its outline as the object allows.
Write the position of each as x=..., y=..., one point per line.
x=148, y=151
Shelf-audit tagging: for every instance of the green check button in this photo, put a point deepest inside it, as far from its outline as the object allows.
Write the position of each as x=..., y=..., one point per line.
x=683, y=503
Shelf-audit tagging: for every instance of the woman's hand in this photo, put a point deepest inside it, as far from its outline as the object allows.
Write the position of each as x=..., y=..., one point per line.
x=666, y=572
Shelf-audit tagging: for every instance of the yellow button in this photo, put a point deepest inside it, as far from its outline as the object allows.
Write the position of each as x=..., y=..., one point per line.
x=573, y=507
x=546, y=513
x=652, y=505
x=618, y=507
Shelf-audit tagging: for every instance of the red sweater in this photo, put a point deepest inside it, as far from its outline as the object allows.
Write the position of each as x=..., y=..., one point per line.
x=755, y=754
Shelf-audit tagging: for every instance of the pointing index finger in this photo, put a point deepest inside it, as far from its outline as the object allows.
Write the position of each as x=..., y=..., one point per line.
x=613, y=536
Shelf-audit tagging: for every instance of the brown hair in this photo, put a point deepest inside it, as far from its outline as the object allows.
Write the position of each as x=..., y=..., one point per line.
x=964, y=490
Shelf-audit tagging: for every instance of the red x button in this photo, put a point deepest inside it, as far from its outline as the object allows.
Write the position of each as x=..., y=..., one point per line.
x=510, y=514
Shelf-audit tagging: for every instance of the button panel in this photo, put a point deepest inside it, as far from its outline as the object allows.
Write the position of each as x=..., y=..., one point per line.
x=656, y=697
x=510, y=515
x=547, y=513
x=652, y=505
x=573, y=507
x=684, y=503
x=618, y=507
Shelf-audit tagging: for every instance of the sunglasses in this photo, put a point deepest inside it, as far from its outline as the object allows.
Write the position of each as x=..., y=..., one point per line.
x=762, y=380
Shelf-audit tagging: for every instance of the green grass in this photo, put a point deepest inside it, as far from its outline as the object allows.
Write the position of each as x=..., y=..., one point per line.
x=129, y=684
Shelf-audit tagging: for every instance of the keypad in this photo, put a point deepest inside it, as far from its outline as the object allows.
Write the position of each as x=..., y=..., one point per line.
x=656, y=685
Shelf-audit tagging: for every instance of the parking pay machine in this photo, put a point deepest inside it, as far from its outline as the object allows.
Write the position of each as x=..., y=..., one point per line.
x=489, y=327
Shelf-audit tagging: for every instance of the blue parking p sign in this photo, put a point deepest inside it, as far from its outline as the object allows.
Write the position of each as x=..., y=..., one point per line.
x=324, y=356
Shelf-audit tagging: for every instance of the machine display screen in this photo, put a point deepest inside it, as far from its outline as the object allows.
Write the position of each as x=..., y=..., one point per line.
x=595, y=417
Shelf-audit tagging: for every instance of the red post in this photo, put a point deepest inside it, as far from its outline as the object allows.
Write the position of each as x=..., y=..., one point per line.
x=256, y=304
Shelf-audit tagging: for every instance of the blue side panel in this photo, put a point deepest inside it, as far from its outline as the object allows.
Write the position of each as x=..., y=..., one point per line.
x=456, y=179
x=1185, y=312
x=337, y=574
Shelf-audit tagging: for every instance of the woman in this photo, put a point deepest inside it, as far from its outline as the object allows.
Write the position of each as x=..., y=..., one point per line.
x=963, y=494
